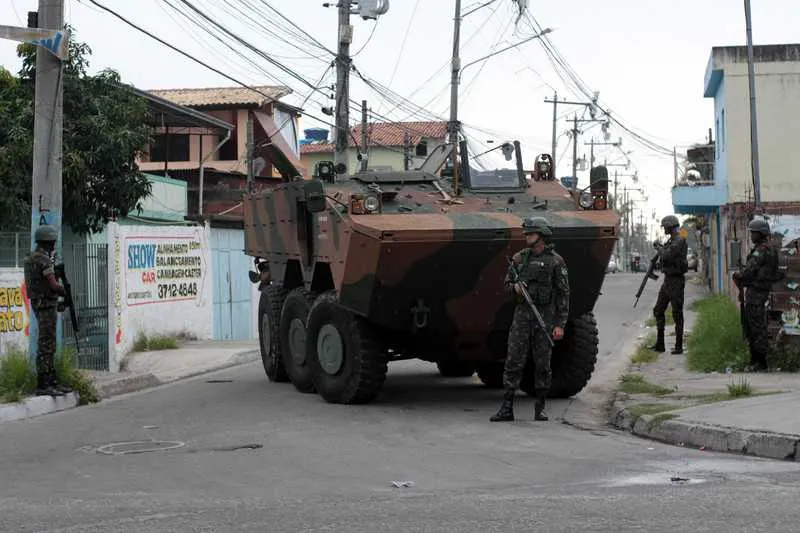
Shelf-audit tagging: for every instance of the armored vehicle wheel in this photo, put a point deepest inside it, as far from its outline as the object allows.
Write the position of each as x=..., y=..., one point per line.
x=453, y=368
x=345, y=358
x=491, y=374
x=292, y=333
x=573, y=359
x=269, y=314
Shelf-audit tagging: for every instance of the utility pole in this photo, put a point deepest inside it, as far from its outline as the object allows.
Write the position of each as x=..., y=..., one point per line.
x=453, y=126
x=554, y=146
x=753, y=120
x=364, y=159
x=406, y=151
x=250, y=152
x=555, y=120
x=368, y=10
x=343, y=62
x=575, y=149
x=46, y=184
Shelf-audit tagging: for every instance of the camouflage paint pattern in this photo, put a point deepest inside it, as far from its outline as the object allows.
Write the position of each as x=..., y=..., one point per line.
x=422, y=252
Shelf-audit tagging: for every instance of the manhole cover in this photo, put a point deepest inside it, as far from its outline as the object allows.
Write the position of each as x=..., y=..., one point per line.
x=144, y=446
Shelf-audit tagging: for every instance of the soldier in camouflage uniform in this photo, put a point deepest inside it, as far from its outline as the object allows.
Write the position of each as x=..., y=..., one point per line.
x=757, y=277
x=43, y=291
x=674, y=264
x=544, y=273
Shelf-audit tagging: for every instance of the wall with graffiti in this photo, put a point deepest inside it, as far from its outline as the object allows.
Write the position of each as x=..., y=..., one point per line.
x=161, y=282
x=14, y=310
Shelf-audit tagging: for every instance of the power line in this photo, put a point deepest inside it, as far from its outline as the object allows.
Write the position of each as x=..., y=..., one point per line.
x=189, y=56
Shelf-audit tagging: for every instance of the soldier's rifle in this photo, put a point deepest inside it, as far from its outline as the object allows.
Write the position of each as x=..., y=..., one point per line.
x=539, y=320
x=61, y=275
x=650, y=274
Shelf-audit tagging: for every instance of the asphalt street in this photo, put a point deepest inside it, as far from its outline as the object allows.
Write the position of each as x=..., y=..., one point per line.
x=232, y=452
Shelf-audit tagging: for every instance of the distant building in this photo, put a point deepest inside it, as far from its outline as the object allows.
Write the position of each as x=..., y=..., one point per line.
x=388, y=144
x=179, y=151
x=717, y=183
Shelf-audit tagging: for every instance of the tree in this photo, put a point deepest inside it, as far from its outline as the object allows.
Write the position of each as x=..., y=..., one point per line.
x=105, y=131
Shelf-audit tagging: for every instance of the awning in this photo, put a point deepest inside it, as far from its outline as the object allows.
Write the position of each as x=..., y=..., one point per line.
x=278, y=150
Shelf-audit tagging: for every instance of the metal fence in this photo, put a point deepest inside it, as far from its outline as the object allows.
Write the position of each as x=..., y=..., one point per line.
x=86, y=267
x=13, y=247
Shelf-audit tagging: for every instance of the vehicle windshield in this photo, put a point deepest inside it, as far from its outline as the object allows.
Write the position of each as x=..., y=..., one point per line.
x=494, y=179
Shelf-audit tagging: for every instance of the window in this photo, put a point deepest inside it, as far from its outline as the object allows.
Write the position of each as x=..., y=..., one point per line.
x=230, y=150
x=422, y=148
x=176, y=144
x=719, y=142
x=721, y=136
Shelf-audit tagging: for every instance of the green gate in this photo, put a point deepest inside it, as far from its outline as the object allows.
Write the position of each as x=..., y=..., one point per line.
x=86, y=266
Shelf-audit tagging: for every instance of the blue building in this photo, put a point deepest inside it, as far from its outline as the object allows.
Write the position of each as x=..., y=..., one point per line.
x=716, y=183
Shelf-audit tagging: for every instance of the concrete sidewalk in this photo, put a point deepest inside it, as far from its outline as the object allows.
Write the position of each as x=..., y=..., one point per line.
x=149, y=369
x=144, y=370
x=694, y=409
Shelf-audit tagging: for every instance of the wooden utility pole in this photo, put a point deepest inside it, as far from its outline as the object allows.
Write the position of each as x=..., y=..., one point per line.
x=46, y=185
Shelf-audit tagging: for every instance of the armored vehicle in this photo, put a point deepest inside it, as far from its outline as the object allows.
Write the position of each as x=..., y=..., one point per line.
x=360, y=270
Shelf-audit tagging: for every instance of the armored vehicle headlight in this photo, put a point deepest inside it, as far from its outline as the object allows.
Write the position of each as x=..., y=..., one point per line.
x=371, y=203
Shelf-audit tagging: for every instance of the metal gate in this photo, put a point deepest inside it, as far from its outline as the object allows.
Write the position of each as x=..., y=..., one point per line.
x=86, y=266
x=232, y=287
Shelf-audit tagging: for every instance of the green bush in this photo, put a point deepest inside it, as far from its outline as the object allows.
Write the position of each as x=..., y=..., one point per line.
x=785, y=355
x=67, y=374
x=17, y=377
x=143, y=343
x=716, y=342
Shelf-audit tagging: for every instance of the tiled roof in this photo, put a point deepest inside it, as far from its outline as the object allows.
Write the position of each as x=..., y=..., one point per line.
x=386, y=134
x=216, y=96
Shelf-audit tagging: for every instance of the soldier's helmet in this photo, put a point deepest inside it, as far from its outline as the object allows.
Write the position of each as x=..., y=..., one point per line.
x=45, y=233
x=670, y=221
x=758, y=225
x=536, y=225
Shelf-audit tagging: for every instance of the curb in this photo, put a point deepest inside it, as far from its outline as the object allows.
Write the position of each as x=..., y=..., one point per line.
x=37, y=406
x=126, y=385
x=41, y=405
x=716, y=438
x=141, y=382
x=589, y=409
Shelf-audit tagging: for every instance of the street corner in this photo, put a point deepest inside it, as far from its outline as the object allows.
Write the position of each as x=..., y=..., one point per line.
x=36, y=406
x=107, y=388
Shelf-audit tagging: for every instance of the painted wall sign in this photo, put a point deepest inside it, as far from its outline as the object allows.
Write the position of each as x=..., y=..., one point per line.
x=163, y=269
x=14, y=309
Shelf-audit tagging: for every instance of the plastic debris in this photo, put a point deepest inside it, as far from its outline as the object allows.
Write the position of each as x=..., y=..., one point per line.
x=402, y=484
x=793, y=285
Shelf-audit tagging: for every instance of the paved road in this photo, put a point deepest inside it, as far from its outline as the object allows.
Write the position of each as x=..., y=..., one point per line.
x=260, y=457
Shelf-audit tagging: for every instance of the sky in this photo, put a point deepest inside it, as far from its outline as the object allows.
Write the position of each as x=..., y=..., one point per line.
x=646, y=58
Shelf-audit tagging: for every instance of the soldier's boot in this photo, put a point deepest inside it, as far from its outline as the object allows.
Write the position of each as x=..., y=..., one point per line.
x=506, y=411
x=678, y=349
x=659, y=345
x=539, y=414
